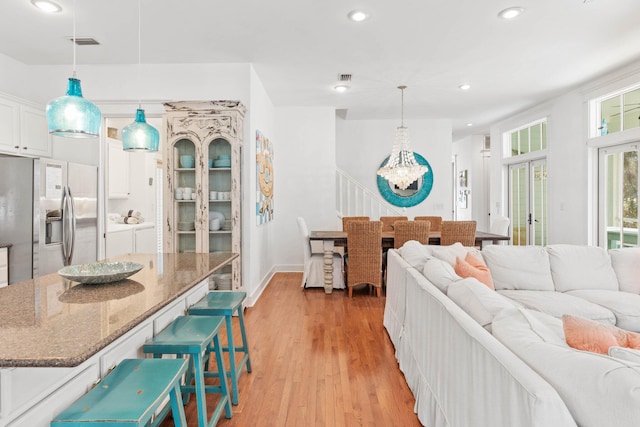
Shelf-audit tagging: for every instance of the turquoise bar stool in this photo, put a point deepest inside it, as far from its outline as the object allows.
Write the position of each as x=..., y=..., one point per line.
x=225, y=304
x=129, y=396
x=198, y=337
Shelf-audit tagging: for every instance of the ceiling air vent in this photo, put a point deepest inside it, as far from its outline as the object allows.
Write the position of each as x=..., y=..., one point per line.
x=84, y=41
x=344, y=77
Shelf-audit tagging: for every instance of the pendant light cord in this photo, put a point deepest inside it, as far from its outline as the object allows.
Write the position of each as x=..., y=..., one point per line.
x=74, y=39
x=139, y=54
x=402, y=88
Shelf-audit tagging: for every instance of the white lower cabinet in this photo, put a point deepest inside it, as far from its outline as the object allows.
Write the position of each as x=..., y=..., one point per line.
x=119, y=243
x=31, y=397
x=144, y=240
x=43, y=412
x=137, y=240
x=4, y=267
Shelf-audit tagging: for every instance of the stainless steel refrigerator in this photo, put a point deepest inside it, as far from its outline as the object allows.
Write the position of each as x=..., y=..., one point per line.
x=48, y=212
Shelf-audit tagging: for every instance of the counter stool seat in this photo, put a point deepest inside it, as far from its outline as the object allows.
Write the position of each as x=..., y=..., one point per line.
x=196, y=336
x=129, y=396
x=222, y=303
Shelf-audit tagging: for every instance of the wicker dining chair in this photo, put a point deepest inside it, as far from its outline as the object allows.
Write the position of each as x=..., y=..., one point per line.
x=458, y=231
x=388, y=221
x=411, y=230
x=436, y=221
x=364, y=266
x=348, y=219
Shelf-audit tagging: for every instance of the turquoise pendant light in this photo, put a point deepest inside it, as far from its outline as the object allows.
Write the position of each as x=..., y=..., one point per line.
x=139, y=135
x=72, y=116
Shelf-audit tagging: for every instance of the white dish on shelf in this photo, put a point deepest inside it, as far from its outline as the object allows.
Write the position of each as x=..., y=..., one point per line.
x=216, y=215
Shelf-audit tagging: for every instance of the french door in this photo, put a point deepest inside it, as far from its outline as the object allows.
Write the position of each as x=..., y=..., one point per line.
x=619, y=190
x=528, y=202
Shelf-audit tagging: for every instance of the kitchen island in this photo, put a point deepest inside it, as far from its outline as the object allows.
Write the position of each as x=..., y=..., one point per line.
x=57, y=337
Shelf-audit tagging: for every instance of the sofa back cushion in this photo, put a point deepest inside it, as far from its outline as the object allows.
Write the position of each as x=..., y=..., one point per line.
x=626, y=264
x=575, y=267
x=415, y=253
x=440, y=273
x=477, y=300
x=519, y=267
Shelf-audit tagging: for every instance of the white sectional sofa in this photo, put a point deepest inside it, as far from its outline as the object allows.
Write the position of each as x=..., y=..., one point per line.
x=473, y=356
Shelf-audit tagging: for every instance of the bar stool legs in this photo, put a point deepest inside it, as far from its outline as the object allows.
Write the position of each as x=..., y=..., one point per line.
x=226, y=304
x=197, y=337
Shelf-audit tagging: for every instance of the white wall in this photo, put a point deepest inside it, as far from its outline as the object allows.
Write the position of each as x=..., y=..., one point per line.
x=305, y=165
x=469, y=157
x=258, y=258
x=362, y=145
x=571, y=194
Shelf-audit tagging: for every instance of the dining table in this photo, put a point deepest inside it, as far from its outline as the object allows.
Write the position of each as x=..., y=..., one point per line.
x=332, y=239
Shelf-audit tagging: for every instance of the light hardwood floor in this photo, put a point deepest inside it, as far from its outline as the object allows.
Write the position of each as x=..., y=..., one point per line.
x=318, y=360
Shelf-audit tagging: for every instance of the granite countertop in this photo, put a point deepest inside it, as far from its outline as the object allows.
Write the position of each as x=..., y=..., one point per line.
x=51, y=321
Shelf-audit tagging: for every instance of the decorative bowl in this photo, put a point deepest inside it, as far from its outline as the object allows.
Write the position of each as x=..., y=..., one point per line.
x=187, y=161
x=100, y=272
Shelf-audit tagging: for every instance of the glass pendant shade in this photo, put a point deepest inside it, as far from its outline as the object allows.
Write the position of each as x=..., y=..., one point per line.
x=402, y=168
x=72, y=116
x=139, y=135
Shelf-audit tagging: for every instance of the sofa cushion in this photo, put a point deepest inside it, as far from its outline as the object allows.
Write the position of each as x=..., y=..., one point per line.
x=519, y=267
x=626, y=264
x=624, y=305
x=415, y=253
x=581, y=267
x=474, y=267
x=598, y=390
x=440, y=273
x=480, y=302
x=451, y=252
x=557, y=304
x=628, y=354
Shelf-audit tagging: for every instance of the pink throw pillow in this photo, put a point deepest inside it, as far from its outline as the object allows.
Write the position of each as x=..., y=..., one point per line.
x=589, y=335
x=474, y=267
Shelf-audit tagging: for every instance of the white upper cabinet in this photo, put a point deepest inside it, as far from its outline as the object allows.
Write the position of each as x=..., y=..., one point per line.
x=23, y=128
x=9, y=126
x=34, y=133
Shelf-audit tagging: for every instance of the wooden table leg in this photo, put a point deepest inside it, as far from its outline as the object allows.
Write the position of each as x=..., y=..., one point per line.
x=328, y=246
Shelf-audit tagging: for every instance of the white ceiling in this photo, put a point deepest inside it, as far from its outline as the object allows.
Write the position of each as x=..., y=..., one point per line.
x=298, y=48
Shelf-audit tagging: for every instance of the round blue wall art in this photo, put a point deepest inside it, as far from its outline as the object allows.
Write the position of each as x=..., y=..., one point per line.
x=414, y=194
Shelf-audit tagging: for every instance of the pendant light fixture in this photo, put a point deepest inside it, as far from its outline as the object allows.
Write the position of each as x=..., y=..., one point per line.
x=402, y=169
x=71, y=115
x=139, y=135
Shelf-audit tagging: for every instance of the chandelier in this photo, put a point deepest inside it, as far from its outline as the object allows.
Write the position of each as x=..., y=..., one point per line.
x=402, y=169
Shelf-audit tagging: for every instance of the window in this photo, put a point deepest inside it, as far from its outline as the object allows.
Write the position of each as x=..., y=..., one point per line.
x=618, y=111
x=527, y=183
x=528, y=139
x=619, y=190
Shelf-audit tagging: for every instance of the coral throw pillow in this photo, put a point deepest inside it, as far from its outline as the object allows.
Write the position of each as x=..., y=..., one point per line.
x=472, y=266
x=590, y=335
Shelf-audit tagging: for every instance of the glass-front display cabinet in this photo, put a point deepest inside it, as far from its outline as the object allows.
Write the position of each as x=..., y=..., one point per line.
x=202, y=191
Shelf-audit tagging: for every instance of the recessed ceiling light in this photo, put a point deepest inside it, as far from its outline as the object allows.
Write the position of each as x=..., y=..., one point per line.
x=357, y=15
x=510, y=12
x=464, y=86
x=469, y=124
x=47, y=6
x=341, y=88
